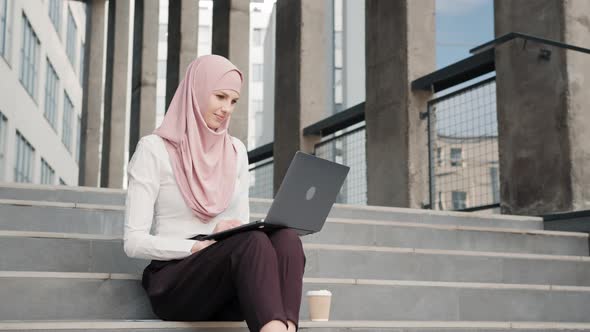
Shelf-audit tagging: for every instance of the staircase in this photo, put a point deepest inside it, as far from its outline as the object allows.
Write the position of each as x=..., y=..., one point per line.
x=62, y=268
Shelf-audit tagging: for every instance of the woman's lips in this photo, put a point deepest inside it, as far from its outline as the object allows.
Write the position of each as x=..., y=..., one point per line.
x=220, y=118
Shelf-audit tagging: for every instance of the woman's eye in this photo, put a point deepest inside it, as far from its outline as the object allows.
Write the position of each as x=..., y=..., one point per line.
x=234, y=101
x=219, y=96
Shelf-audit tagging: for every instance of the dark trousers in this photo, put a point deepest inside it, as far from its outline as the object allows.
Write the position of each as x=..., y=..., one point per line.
x=252, y=276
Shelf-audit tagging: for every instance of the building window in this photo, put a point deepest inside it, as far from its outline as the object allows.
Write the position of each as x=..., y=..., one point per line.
x=3, y=130
x=78, y=139
x=29, y=58
x=439, y=156
x=47, y=173
x=66, y=136
x=257, y=36
x=204, y=34
x=71, y=41
x=257, y=106
x=257, y=72
x=338, y=40
x=55, y=8
x=51, y=95
x=3, y=25
x=81, y=73
x=23, y=168
x=459, y=200
x=338, y=99
x=456, y=157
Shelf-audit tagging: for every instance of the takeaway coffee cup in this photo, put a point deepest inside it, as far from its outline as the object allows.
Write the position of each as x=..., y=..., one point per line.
x=319, y=305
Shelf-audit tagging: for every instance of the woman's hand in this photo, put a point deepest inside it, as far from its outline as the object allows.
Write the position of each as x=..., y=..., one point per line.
x=201, y=245
x=224, y=225
x=221, y=226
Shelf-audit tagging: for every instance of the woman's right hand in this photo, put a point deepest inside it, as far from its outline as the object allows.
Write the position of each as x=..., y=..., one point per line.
x=201, y=245
x=220, y=227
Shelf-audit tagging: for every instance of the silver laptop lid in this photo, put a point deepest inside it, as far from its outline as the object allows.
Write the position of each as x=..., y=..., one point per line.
x=307, y=193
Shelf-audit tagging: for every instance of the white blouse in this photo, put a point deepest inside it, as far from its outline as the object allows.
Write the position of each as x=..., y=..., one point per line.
x=158, y=223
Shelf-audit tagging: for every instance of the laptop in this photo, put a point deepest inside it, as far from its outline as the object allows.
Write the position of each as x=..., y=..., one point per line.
x=304, y=200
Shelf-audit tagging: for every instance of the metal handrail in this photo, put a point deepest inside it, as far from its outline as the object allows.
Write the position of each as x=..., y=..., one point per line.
x=260, y=153
x=338, y=121
x=514, y=35
x=261, y=165
x=331, y=139
x=462, y=90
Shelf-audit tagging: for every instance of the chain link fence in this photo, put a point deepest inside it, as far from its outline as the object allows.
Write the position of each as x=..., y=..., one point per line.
x=463, y=149
x=347, y=147
x=261, y=179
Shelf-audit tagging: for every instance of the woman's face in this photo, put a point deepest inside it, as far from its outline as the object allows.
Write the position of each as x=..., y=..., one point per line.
x=221, y=106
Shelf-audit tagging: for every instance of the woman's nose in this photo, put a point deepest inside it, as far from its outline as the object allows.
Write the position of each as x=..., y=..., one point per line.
x=226, y=108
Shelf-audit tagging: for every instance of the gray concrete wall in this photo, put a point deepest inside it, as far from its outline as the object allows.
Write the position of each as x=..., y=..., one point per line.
x=541, y=120
x=183, y=34
x=149, y=67
x=303, y=62
x=121, y=94
x=189, y=35
x=144, y=71
x=577, y=32
x=93, y=96
x=400, y=47
x=239, y=55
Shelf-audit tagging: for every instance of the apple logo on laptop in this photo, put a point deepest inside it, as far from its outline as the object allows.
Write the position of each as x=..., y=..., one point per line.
x=310, y=193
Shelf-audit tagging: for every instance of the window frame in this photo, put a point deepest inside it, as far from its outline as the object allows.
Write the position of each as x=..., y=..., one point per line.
x=66, y=130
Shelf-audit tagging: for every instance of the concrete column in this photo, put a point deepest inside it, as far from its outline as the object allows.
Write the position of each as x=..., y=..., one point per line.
x=183, y=33
x=144, y=71
x=231, y=39
x=400, y=47
x=117, y=94
x=303, y=76
x=89, y=171
x=543, y=118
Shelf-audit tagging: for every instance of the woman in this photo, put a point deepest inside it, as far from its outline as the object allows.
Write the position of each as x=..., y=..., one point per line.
x=191, y=177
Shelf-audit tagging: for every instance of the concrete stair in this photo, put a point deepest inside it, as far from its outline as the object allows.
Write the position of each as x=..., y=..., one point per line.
x=82, y=196
x=63, y=268
x=63, y=252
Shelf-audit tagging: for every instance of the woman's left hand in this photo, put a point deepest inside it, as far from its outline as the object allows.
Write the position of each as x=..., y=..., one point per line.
x=224, y=225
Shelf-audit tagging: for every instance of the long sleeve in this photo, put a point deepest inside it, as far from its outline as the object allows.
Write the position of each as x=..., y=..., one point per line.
x=143, y=186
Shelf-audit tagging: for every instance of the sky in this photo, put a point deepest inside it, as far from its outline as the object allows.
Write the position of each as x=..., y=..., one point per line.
x=460, y=26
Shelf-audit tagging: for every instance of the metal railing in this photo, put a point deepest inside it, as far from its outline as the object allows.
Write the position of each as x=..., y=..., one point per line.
x=343, y=141
x=261, y=179
x=261, y=171
x=463, y=149
x=462, y=130
x=348, y=148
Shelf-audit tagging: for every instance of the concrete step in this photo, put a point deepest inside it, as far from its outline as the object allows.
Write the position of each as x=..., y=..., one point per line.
x=61, y=252
x=330, y=326
x=61, y=217
x=420, y=216
x=51, y=296
x=104, y=196
x=398, y=234
x=108, y=220
x=64, y=194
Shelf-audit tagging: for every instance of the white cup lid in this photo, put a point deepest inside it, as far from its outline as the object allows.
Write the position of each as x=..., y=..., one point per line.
x=323, y=292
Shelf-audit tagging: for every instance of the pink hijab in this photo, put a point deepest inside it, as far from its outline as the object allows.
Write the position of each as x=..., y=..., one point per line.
x=203, y=160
